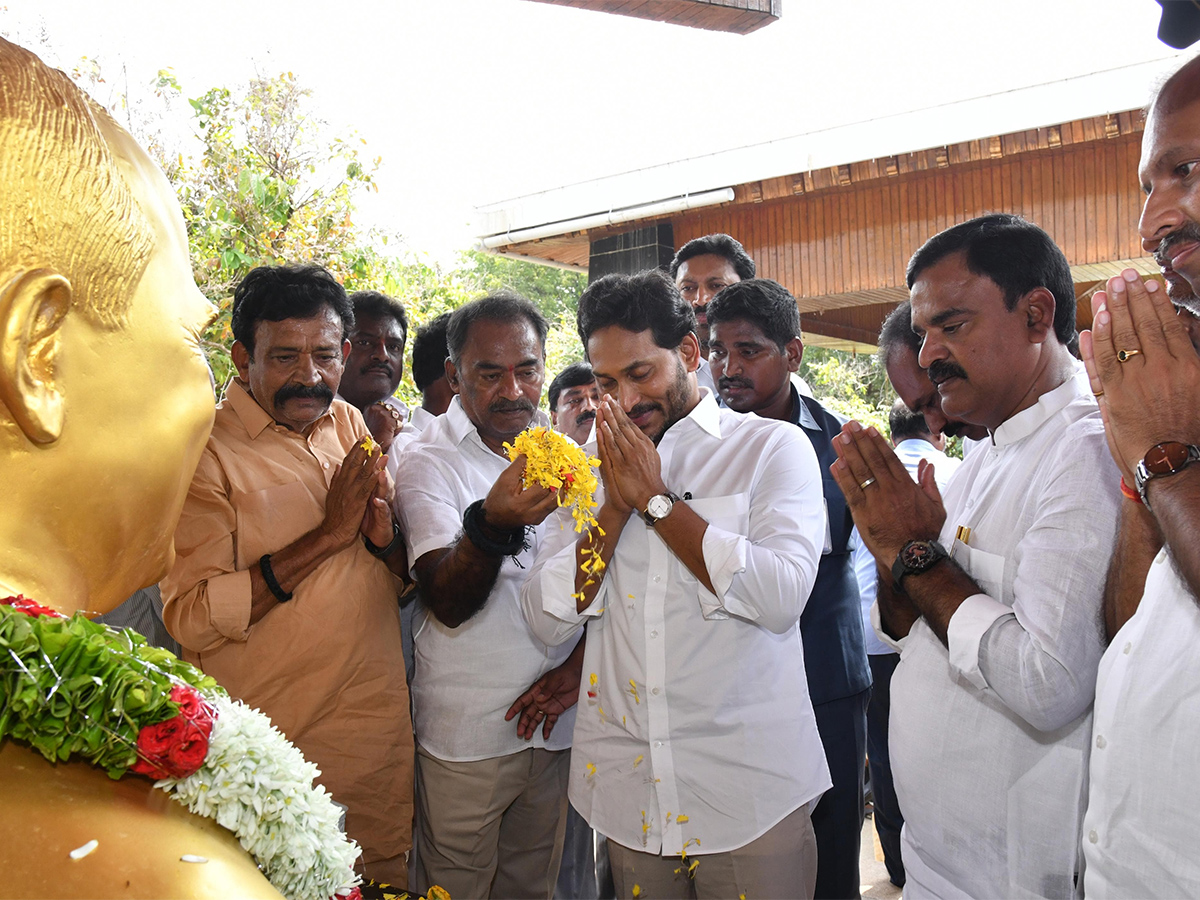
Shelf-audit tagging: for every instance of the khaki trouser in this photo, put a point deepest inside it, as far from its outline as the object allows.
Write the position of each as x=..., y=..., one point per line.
x=491, y=827
x=780, y=864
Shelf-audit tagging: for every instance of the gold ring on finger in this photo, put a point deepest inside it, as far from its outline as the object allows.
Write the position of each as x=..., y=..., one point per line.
x=1097, y=393
x=866, y=484
x=1126, y=355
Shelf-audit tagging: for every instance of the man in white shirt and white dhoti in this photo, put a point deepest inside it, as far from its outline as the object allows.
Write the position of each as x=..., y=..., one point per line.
x=1138, y=838
x=993, y=592
x=696, y=750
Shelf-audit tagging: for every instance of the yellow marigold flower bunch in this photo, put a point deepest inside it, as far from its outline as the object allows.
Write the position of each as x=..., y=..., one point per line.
x=555, y=462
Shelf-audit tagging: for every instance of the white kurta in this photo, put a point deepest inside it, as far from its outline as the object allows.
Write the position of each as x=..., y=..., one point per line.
x=989, y=739
x=1139, y=835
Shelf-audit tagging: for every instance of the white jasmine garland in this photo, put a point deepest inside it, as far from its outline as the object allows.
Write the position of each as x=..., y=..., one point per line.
x=258, y=785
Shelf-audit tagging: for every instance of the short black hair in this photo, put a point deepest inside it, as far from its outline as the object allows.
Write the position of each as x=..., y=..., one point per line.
x=648, y=300
x=275, y=293
x=574, y=375
x=717, y=245
x=897, y=333
x=380, y=305
x=903, y=423
x=1014, y=253
x=762, y=302
x=429, y=352
x=499, y=306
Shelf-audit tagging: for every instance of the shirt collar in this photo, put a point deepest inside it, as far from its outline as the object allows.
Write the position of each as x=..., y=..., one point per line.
x=1027, y=421
x=800, y=413
x=706, y=414
x=462, y=428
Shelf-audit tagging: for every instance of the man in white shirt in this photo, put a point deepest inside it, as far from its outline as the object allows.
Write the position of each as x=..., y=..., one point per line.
x=1138, y=839
x=913, y=442
x=491, y=800
x=991, y=702
x=696, y=751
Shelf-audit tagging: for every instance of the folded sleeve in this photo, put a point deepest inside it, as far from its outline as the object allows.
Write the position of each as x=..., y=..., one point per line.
x=425, y=504
x=206, y=600
x=1040, y=656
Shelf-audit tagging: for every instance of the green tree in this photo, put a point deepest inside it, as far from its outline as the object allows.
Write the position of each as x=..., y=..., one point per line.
x=852, y=385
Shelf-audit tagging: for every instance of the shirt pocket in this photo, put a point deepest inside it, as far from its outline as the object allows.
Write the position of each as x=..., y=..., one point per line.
x=730, y=512
x=985, y=569
x=270, y=519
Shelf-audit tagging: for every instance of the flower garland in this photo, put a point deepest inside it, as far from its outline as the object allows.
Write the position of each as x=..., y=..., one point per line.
x=70, y=687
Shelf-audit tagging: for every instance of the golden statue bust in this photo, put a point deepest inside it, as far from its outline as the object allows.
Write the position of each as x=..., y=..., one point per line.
x=105, y=405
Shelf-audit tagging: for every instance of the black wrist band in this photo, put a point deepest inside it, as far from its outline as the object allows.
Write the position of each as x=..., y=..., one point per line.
x=473, y=521
x=384, y=552
x=268, y=574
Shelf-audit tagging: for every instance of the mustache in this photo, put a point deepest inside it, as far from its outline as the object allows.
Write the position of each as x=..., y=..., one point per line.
x=378, y=367
x=940, y=370
x=588, y=416
x=1188, y=232
x=319, y=391
x=643, y=408
x=724, y=383
x=503, y=406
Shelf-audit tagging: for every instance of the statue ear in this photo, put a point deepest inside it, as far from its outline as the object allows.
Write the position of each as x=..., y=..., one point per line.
x=32, y=308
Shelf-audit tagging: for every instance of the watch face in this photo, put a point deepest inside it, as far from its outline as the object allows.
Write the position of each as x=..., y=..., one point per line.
x=918, y=555
x=658, y=506
x=1166, y=458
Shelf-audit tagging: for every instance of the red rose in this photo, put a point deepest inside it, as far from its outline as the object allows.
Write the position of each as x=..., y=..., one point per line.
x=177, y=747
x=27, y=606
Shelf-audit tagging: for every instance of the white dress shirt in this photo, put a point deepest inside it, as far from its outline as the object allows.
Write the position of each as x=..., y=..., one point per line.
x=701, y=706
x=1139, y=835
x=989, y=739
x=466, y=678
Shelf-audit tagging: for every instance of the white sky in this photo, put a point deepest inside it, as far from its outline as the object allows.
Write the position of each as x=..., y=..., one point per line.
x=474, y=101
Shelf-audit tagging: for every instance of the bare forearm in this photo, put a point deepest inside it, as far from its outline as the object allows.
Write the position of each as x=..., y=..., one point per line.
x=1137, y=543
x=291, y=565
x=897, y=613
x=938, y=593
x=612, y=523
x=1175, y=501
x=456, y=582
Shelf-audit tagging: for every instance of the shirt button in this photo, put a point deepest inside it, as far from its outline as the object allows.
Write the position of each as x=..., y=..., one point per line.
x=325, y=465
x=1101, y=743
x=655, y=691
x=658, y=743
x=1092, y=836
x=657, y=579
x=654, y=634
x=1128, y=647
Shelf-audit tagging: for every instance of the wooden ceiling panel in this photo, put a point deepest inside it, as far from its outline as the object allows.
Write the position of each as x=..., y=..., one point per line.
x=734, y=16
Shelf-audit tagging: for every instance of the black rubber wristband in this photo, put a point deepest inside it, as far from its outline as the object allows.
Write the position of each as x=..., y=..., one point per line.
x=268, y=574
x=473, y=521
x=385, y=552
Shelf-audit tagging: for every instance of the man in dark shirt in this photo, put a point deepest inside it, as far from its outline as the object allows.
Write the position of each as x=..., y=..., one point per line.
x=754, y=347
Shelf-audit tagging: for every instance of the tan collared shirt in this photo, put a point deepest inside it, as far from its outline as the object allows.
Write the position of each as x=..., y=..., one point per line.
x=326, y=666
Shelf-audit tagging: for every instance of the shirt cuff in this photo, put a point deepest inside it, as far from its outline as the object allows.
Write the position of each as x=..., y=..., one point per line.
x=229, y=598
x=724, y=557
x=966, y=629
x=558, y=589
x=896, y=644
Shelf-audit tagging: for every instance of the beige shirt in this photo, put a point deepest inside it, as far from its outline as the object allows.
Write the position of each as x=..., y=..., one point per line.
x=326, y=666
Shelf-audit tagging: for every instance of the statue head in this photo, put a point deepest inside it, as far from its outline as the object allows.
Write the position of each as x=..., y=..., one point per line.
x=105, y=397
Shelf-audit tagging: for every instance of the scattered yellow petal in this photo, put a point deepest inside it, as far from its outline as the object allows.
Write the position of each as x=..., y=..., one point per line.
x=681, y=818
x=637, y=762
x=593, y=678
x=591, y=769
x=631, y=597
x=437, y=893
x=692, y=868
x=637, y=891
x=742, y=896
x=633, y=690
x=368, y=444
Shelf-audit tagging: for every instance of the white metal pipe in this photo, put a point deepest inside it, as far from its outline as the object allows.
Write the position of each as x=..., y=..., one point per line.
x=612, y=217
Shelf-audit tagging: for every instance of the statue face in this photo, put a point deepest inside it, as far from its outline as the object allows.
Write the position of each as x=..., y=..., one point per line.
x=139, y=407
